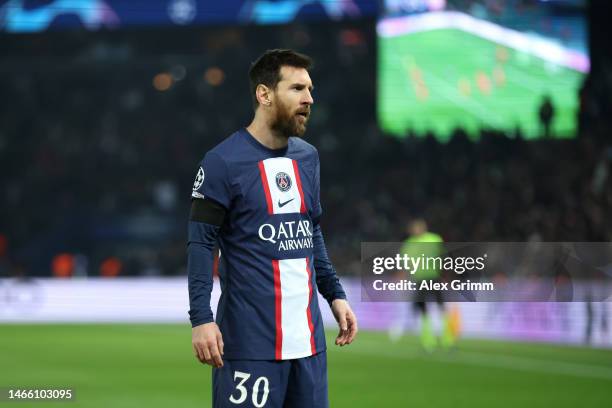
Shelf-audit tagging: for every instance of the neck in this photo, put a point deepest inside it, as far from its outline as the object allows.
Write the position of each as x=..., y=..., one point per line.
x=262, y=131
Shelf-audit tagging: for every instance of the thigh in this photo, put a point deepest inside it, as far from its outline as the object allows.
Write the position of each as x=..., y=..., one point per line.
x=307, y=386
x=249, y=383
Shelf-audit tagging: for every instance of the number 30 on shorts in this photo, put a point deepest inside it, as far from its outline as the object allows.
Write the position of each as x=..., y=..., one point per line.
x=243, y=391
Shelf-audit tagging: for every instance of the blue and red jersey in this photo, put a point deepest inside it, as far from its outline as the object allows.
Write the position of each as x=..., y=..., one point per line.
x=272, y=254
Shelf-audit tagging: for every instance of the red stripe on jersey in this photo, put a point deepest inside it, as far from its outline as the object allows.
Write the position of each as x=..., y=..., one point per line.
x=266, y=187
x=308, y=313
x=278, y=348
x=299, y=186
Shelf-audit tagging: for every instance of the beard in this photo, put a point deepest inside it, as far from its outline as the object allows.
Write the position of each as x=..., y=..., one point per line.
x=290, y=123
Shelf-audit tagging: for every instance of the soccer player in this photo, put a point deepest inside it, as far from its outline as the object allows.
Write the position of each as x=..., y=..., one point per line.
x=422, y=242
x=256, y=195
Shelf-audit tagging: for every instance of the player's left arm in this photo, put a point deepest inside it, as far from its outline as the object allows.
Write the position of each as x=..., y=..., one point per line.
x=330, y=288
x=327, y=280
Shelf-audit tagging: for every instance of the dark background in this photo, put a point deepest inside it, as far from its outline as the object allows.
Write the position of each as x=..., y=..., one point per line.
x=96, y=162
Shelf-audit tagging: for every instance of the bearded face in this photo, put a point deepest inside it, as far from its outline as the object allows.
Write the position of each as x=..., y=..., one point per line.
x=290, y=121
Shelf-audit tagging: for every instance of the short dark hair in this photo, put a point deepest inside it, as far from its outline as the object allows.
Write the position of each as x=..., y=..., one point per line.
x=266, y=69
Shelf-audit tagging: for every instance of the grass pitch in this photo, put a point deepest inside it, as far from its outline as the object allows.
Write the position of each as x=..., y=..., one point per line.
x=440, y=79
x=152, y=366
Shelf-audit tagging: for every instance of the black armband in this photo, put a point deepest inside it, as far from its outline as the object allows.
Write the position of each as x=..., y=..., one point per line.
x=207, y=211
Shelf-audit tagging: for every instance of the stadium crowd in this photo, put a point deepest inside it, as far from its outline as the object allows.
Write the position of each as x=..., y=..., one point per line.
x=97, y=159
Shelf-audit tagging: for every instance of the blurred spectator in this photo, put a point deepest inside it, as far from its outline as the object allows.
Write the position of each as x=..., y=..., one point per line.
x=4, y=263
x=63, y=266
x=110, y=267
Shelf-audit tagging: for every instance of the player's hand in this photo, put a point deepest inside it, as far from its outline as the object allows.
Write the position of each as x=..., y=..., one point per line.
x=208, y=344
x=346, y=320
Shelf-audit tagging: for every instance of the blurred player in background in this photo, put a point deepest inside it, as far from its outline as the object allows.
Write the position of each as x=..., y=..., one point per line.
x=546, y=114
x=257, y=195
x=422, y=242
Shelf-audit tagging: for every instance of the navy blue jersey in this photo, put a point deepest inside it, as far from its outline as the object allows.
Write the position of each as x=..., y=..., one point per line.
x=268, y=240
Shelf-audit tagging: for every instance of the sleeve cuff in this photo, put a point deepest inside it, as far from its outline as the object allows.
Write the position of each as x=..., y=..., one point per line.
x=202, y=320
x=340, y=295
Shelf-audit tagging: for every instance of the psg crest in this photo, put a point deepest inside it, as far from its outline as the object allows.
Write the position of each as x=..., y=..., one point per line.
x=199, y=179
x=283, y=181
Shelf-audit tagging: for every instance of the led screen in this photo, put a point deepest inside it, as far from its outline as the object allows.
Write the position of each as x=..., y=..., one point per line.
x=444, y=65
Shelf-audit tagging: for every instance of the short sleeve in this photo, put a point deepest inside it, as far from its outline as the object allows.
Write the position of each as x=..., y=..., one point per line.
x=213, y=180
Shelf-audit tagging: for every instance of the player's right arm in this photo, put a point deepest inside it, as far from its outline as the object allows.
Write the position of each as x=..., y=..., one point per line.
x=204, y=224
x=208, y=208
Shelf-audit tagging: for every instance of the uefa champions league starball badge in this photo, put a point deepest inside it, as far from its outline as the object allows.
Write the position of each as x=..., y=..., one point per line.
x=199, y=179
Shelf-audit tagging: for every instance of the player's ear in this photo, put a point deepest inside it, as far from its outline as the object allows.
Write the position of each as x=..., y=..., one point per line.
x=264, y=95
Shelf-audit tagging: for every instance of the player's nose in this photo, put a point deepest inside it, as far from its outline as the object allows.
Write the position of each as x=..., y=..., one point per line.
x=308, y=98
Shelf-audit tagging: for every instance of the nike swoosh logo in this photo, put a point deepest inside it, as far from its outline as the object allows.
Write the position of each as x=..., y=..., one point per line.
x=281, y=205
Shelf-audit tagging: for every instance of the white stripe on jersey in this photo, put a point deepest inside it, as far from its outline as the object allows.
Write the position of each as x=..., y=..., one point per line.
x=295, y=295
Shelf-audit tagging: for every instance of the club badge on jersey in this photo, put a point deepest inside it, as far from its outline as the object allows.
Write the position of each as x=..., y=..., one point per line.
x=283, y=181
